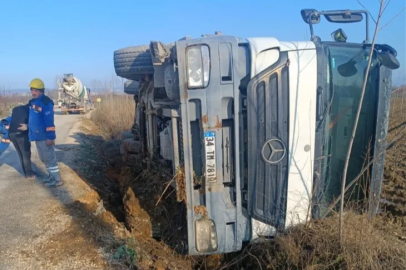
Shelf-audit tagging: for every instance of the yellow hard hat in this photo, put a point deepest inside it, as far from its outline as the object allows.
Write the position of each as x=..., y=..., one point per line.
x=37, y=84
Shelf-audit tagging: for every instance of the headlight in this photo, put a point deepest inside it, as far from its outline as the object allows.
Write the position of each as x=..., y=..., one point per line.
x=198, y=66
x=206, y=235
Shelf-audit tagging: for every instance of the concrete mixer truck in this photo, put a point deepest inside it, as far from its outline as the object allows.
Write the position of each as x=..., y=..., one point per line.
x=73, y=96
x=263, y=124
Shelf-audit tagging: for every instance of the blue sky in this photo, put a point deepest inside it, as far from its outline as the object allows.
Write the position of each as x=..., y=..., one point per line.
x=47, y=38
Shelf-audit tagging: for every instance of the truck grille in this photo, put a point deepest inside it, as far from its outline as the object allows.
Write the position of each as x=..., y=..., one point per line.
x=268, y=128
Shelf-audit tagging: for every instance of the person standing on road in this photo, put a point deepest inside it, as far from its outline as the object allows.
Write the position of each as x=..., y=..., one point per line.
x=41, y=130
x=18, y=133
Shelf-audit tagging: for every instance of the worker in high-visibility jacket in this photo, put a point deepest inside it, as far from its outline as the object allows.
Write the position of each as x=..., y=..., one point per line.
x=41, y=130
x=4, y=138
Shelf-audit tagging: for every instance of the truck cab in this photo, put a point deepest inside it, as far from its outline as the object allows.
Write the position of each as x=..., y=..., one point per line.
x=261, y=127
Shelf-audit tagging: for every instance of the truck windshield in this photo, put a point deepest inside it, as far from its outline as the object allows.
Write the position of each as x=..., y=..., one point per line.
x=345, y=70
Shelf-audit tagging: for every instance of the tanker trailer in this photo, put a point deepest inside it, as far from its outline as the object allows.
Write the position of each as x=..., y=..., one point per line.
x=73, y=95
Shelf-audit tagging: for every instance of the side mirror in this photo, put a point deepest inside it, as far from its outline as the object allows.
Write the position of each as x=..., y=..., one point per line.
x=386, y=55
x=388, y=60
x=310, y=15
x=386, y=47
x=345, y=17
x=347, y=69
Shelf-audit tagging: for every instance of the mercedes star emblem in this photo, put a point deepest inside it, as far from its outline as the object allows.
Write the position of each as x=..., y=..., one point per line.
x=273, y=151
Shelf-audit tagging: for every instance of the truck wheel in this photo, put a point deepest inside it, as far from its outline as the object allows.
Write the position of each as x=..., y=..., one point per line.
x=133, y=62
x=132, y=146
x=131, y=87
x=126, y=135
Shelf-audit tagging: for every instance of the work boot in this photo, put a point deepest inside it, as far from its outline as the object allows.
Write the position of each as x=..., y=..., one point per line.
x=49, y=179
x=54, y=183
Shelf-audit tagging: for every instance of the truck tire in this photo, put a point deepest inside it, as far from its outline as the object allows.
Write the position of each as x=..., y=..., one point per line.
x=126, y=135
x=132, y=146
x=133, y=62
x=131, y=87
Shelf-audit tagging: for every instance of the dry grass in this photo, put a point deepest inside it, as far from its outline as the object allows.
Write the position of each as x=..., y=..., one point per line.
x=368, y=244
x=115, y=115
x=201, y=210
x=180, y=184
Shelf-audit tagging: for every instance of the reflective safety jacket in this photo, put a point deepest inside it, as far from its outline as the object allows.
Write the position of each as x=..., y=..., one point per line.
x=41, y=119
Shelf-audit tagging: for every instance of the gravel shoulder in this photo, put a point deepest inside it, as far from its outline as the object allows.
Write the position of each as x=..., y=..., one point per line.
x=58, y=228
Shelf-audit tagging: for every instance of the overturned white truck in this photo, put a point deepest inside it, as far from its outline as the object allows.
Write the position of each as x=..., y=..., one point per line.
x=73, y=96
x=264, y=123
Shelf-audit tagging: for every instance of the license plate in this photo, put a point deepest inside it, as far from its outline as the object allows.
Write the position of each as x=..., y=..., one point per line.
x=210, y=146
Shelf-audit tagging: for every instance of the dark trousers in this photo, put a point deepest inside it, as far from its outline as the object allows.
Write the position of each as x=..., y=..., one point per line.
x=23, y=147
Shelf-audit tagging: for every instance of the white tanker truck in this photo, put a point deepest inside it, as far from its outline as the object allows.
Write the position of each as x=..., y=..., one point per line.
x=73, y=96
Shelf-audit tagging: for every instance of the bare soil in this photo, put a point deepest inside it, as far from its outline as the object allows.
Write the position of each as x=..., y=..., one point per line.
x=130, y=195
x=394, y=185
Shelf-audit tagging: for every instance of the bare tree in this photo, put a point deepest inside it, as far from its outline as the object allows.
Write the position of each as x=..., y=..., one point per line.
x=382, y=8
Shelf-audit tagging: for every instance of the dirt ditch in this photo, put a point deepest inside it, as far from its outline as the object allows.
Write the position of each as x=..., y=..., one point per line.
x=134, y=195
